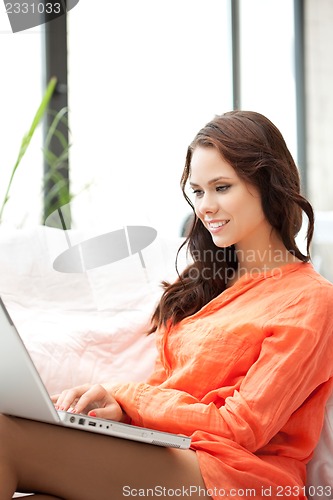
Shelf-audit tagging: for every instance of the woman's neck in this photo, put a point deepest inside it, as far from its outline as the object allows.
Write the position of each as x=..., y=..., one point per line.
x=265, y=256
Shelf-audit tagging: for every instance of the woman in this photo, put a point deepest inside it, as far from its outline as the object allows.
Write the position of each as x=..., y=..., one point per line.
x=245, y=346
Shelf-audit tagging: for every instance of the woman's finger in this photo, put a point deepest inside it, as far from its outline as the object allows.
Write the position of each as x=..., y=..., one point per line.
x=92, y=399
x=111, y=411
x=68, y=399
x=95, y=397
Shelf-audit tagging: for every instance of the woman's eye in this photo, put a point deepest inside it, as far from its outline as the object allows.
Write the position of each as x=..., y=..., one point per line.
x=223, y=188
x=197, y=192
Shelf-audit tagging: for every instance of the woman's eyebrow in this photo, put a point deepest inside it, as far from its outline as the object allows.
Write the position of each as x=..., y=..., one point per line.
x=212, y=181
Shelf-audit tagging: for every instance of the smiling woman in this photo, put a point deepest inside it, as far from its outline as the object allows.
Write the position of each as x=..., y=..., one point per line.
x=246, y=332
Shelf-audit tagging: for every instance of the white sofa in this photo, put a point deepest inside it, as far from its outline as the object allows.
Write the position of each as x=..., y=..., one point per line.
x=82, y=327
x=90, y=327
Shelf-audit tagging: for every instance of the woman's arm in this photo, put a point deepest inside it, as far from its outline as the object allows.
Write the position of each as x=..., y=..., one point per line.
x=293, y=362
x=97, y=399
x=93, y=399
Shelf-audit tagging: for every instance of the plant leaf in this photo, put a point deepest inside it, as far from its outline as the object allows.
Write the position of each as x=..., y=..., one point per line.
x=27, y=137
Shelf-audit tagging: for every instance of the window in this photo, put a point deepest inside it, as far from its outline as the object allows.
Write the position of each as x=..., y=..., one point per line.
x=143, y=78
x=21, y=93
x=267, y=63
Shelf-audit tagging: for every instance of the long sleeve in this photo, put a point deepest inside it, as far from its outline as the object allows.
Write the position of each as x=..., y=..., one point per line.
x=292, y=362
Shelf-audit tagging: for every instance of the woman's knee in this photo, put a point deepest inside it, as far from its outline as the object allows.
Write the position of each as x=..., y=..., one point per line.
x=8, y=433
x=5, y=426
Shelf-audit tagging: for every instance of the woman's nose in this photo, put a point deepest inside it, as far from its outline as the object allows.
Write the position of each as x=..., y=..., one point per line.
x=208, y=204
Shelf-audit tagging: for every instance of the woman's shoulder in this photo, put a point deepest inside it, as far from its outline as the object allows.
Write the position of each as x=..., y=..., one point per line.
x=296, y=305
x=304, y=292
x=294, y=290
x=300, y=272
x=292, y=279
x=306, y=274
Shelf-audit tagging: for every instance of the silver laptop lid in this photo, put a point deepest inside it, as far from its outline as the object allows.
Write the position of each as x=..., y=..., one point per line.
x=22, y=393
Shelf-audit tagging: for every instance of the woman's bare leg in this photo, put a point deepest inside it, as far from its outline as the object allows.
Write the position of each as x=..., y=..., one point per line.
x=71, y=464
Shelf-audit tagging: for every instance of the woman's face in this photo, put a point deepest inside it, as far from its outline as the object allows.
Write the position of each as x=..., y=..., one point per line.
x=229, y=208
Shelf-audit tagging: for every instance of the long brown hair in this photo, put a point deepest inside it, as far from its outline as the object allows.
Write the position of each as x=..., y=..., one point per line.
x=256, y=150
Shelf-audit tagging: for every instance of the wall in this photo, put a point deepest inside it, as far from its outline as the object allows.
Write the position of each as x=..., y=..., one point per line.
x=319, y=108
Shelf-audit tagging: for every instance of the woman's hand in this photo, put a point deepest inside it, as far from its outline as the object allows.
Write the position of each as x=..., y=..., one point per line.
x=93, y=400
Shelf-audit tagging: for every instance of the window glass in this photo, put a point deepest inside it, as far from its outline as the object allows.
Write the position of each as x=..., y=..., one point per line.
x=143, y=78
x=20, y=96
x=267, y=63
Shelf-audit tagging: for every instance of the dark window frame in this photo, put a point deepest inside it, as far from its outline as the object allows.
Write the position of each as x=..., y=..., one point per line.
x=56, y=65
x=300, y=90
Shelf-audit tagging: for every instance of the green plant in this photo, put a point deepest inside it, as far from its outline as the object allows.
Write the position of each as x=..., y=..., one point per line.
x=55, y=182
x=27, y=138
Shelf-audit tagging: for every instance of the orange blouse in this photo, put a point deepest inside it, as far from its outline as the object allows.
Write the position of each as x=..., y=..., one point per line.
x=247, y=377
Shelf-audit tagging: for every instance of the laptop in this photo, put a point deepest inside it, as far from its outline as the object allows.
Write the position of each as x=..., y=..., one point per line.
x=23, y=394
